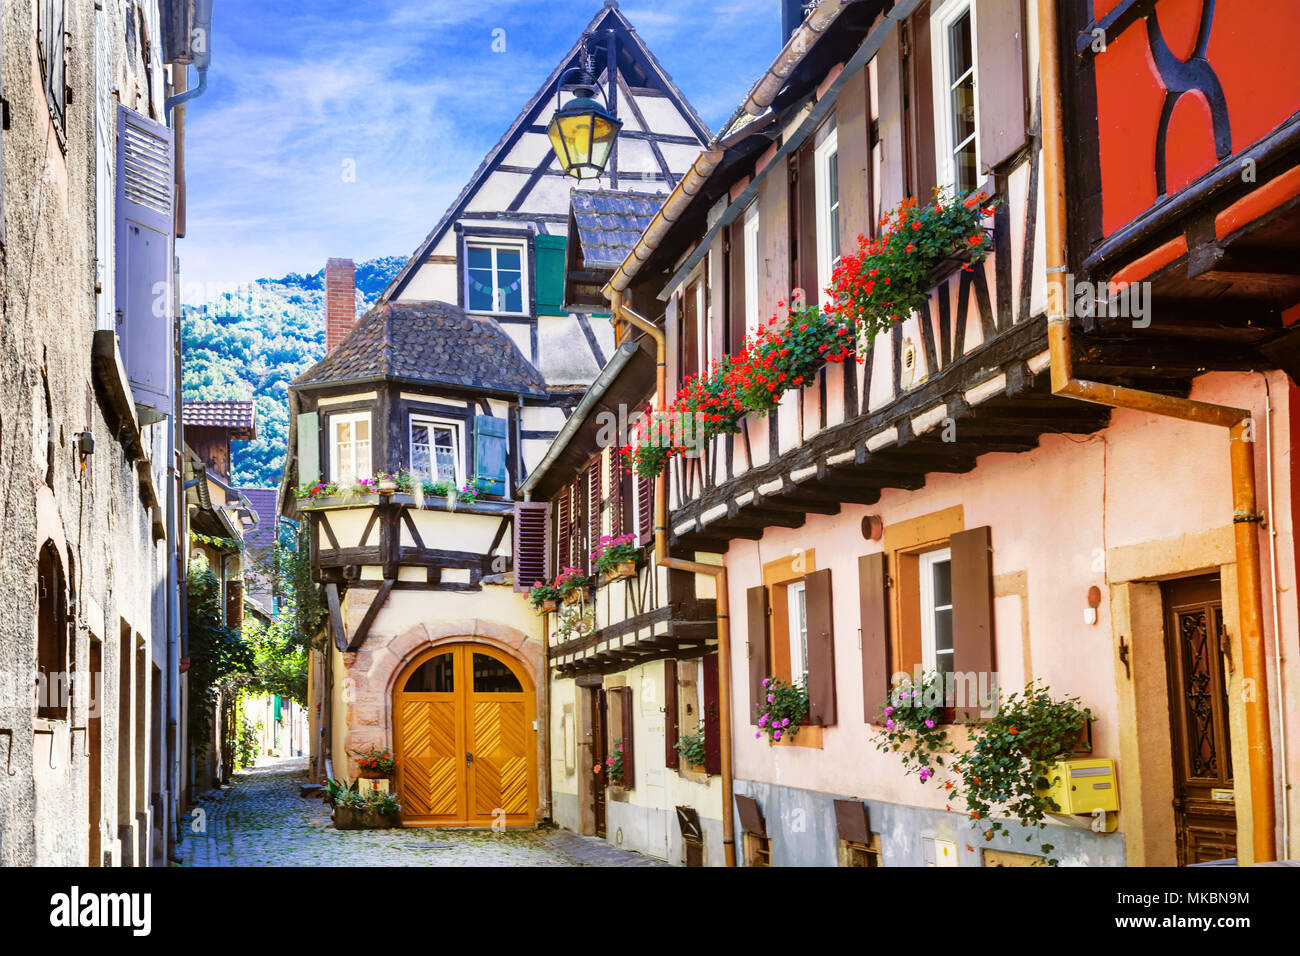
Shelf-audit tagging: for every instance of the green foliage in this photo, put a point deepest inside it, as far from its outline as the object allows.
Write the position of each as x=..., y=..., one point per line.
x=246, y=745
x=785, y=707
x=614, y=763
x=912, y=725
x=216, y=652
x=691, y=747
x=1011, y=761
x=254, y=343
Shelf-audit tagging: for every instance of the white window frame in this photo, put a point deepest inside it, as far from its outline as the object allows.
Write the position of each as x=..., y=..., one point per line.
x=704, y=337
x=826, y=233
x=458, y=438
x=797, y=614
x=750, y=232
x=363, y=469
x=940, y=22
x=496, y=245
x=929, y=652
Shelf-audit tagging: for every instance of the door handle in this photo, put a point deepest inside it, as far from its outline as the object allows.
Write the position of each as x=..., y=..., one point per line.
x=469, y=758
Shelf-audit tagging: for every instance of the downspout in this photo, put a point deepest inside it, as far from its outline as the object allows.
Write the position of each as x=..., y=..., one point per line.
x=174, y=101
x=1245, y=515
x=718, y=572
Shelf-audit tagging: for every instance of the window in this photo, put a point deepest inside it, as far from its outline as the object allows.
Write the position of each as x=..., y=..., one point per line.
x=956, y=129
x=52, y=45
x=435, y=450
x=828, y=208
x=751, y=269
x=797, y=604
x=350, y=447
x=494, y=278
x=52, y=679
x=936, y=611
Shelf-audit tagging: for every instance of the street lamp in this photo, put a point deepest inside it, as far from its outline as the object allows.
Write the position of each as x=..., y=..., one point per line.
x=582, y=131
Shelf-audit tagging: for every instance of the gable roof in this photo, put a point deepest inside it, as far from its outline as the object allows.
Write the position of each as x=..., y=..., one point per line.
x=238, y=417
x=609, y=18
x=428, y=343
x=262, y=502
x=608, y=222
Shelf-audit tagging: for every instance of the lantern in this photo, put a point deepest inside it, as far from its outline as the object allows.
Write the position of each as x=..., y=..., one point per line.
x=582, y=131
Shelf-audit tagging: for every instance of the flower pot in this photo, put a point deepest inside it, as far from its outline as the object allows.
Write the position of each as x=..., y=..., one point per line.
x=576, y=596
x=387, y=486
x=624, y=569
x=371, y=774
x=545, y=606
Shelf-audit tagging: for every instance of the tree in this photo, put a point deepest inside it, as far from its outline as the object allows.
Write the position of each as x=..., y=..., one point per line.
x=216, y=652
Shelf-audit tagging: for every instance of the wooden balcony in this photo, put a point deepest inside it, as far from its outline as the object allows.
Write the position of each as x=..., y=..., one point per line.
x=683, y=629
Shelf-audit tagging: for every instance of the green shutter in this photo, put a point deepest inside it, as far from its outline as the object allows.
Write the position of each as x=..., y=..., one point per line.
x=550, y=274
x=308, y=448
x=490, y=453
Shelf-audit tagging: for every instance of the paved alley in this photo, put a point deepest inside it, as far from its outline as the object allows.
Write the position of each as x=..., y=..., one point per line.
x=261, y=820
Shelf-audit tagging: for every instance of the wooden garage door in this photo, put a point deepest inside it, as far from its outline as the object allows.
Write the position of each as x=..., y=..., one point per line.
x=465, y=740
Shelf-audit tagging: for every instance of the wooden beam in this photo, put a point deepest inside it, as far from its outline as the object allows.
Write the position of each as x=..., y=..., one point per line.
x=372, y=612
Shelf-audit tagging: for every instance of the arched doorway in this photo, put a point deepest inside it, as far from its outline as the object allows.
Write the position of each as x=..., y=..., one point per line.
x=463, y=727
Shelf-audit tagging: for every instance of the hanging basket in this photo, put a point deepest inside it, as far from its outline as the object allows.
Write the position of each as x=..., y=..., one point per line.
x=576, y=596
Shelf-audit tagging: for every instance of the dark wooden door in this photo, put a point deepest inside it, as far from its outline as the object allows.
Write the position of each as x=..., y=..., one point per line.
x=94, y=745
x=598, y=754
x=1204, y=802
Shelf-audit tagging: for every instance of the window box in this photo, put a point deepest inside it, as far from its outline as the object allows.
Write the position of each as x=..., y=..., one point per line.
x=622, y=570
x=346, y=818
x=576, y=596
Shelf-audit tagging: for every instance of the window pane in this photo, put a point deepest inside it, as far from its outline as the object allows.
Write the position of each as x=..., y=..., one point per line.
x=420, y=461
x=833, y=186
x=491, y=676
x=508, y=260
x=343, y=431
x=434, y=676
x=363, y=459
x=942, y=583
x=960, y=41
x=363, y=429
x=943, y=632
x=479, y=257
x=480, y=291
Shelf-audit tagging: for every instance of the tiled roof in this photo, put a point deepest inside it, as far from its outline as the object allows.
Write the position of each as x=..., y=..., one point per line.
x=432, y=343
x=263, y=501
x=239, y=417
x=609, y=222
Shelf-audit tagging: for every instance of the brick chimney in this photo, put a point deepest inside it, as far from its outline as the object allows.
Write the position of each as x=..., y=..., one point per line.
x=340, y=300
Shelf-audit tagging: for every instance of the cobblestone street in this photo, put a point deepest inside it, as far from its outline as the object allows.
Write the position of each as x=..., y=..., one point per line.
x=261, y=820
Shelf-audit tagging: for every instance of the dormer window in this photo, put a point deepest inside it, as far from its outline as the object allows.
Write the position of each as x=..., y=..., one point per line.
x=435, y=450
x=494, y=278
x=350, y=447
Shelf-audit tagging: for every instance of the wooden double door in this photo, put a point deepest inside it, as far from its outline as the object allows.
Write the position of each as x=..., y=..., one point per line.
x=464, y=725
x=1205, y=809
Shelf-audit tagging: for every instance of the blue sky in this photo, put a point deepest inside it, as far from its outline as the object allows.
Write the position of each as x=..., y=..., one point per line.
x=409, y=94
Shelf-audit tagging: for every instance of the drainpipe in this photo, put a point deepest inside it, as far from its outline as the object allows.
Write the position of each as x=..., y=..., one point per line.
x=174, y=101
x=717, y=572
x=1245, y=515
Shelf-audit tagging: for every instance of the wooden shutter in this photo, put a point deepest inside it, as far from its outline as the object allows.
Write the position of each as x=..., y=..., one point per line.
x=308, y=448
x=873, y=602
x=531, y=555
x=563, y=528
x=490, y=444
x=736, y=286
x=710, y=706
x=689, y=338
x=645, y=502
x=756, y=607
x=593, y=510
x=629, y=765
x=1000, y=79
x=972, y=609
x=672, y=729
x=921, y=106
x=144, y=257
x=615, y=493
x=821, y=649
x=550, y=254
x=807, y=277
x=577, y=533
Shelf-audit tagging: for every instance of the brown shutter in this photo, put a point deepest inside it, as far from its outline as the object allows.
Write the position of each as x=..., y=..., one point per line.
x=690, y=333
x=712, y=725
x=629, y=767
x=821, y=649
x=593, y=514
x=645, y=498
x=615, y=498
x=563, y=528
x=531, y=557
x=756, y=605
x=972, y=609
x=807, y=222
x=853, y=144
x=1000, y=78
x=921, y=106
x=672, y=732
x=736, y=287
x=873, y=601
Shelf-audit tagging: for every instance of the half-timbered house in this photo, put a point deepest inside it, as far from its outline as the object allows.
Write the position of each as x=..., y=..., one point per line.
x=957, y=502
x=466, y=370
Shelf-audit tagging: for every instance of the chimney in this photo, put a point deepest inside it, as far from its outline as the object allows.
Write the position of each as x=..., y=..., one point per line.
x=340, y=300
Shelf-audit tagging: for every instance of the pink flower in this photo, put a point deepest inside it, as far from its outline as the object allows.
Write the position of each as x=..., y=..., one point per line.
x=777, y=735
x=929, y=724
x=888, y=711
x=771, y=698
x=925, y=773
x=889, y=725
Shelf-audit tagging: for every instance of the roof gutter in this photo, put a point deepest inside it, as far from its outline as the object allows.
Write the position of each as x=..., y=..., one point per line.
x=594, y=393
x=792, y=54
x=406, y=380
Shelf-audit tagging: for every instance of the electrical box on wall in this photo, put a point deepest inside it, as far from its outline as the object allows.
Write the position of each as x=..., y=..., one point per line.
x=1083, y=786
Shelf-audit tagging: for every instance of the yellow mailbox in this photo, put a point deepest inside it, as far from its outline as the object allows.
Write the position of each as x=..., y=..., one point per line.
x=1082, y=786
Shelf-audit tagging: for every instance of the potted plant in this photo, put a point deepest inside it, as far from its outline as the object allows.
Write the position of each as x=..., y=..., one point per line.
x=355, y=811
x=691, y=747
x=614, y=764
x=376, y=765
x=783, y=708
x=386, y=484
x=615, y=556
x=543, y=597
x=572, y=585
